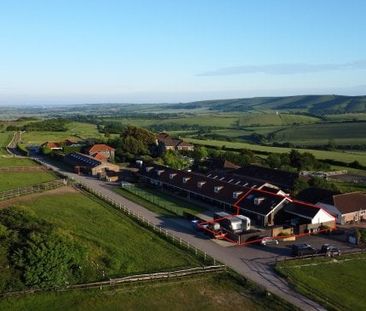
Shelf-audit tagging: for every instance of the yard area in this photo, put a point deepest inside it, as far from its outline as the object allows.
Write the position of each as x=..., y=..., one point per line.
x=159, y=202
x=338, y=284
x=115, y=244
x=11, y=180
x=214, y=292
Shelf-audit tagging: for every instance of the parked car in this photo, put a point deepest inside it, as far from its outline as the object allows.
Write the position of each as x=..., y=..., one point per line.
x=269, y=241
x=303, y=250
x=330, y=250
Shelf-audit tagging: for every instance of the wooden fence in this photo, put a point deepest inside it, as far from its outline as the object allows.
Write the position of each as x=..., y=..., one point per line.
x=15, y=169
x=158, y=229
x=147, y=277
x=13, y=193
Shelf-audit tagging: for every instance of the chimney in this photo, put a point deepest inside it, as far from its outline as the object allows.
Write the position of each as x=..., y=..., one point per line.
x=185, y=179
x=171, y=175
x=148, y=169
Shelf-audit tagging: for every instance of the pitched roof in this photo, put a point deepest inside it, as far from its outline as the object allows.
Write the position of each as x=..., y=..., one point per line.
x=219, y=164
x=100, y=156
x=260, y=202
x=184, y=144
x=51, y=145
x=350, y=202
x=277, y=177
x=80, y=159
x=99, y=148
x=192, y=182
x=303, y=210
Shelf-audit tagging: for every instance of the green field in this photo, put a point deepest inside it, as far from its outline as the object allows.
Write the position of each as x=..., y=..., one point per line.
x=13, y=161
x=5, y=139
x=338, y=283
x=159, y=202
x=265, y=119
x=11, y=180
x=114, y=242
x=346, y=157
x=213, y=293
x=346, y=117
x=341, y=133
x=76, y=130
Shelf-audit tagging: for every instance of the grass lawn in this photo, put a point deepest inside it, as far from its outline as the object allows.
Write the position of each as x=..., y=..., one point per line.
x=264, y=119
x=13, y=161
x=5, y=139
x=115, y=243
x=337, y=283
x=319, y=154
x=11, y=180
x=213, y=292
x=160, y=202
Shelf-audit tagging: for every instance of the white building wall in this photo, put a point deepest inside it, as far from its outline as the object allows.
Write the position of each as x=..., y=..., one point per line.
x=331, y=209
x=322, y=217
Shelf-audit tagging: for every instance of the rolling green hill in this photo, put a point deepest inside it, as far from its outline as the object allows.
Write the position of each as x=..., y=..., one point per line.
x=314, y=104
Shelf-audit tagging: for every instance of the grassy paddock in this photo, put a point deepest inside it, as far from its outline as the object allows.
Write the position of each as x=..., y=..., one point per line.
x=12, y=161
x=339, y=284
x=115, y=244
x=210, y=292
x=11, y=180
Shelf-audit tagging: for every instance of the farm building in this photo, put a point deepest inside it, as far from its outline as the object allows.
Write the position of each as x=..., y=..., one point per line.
x=169, y=143
x=101, y=152
x=259, y=174
x=52, y=145
x=265, y=206
x=347, y=207
x=89, y=165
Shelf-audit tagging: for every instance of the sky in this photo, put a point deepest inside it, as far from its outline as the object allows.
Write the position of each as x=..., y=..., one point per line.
x=142, y=51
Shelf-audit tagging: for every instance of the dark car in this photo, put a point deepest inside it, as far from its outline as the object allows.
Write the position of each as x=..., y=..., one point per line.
x=330, y=250
x=303, y=250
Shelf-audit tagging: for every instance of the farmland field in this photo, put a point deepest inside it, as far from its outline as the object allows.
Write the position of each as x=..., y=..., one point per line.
x=341, y=133
x=265, y=119
x=337, y=283
x=13, y=161
x=320, y=154
x=115, y=243
x=76, y=130
x=214, y=292
x=11, y=180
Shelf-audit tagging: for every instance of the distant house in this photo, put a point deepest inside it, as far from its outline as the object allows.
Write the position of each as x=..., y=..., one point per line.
x=169, y=143
x=347, y=207
x=52, y=145
x=72, y=143
x=86, y=164
x=101, y=151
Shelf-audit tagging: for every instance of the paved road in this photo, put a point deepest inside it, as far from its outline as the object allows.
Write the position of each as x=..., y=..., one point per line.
x=253, y=263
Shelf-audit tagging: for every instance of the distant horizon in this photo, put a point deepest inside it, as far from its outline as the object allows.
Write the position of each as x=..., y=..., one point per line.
x=73, y=52
x=40, y=105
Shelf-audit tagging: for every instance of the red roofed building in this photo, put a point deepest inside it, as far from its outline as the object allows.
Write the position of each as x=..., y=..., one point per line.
x=101, y=150
x=52, y=145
